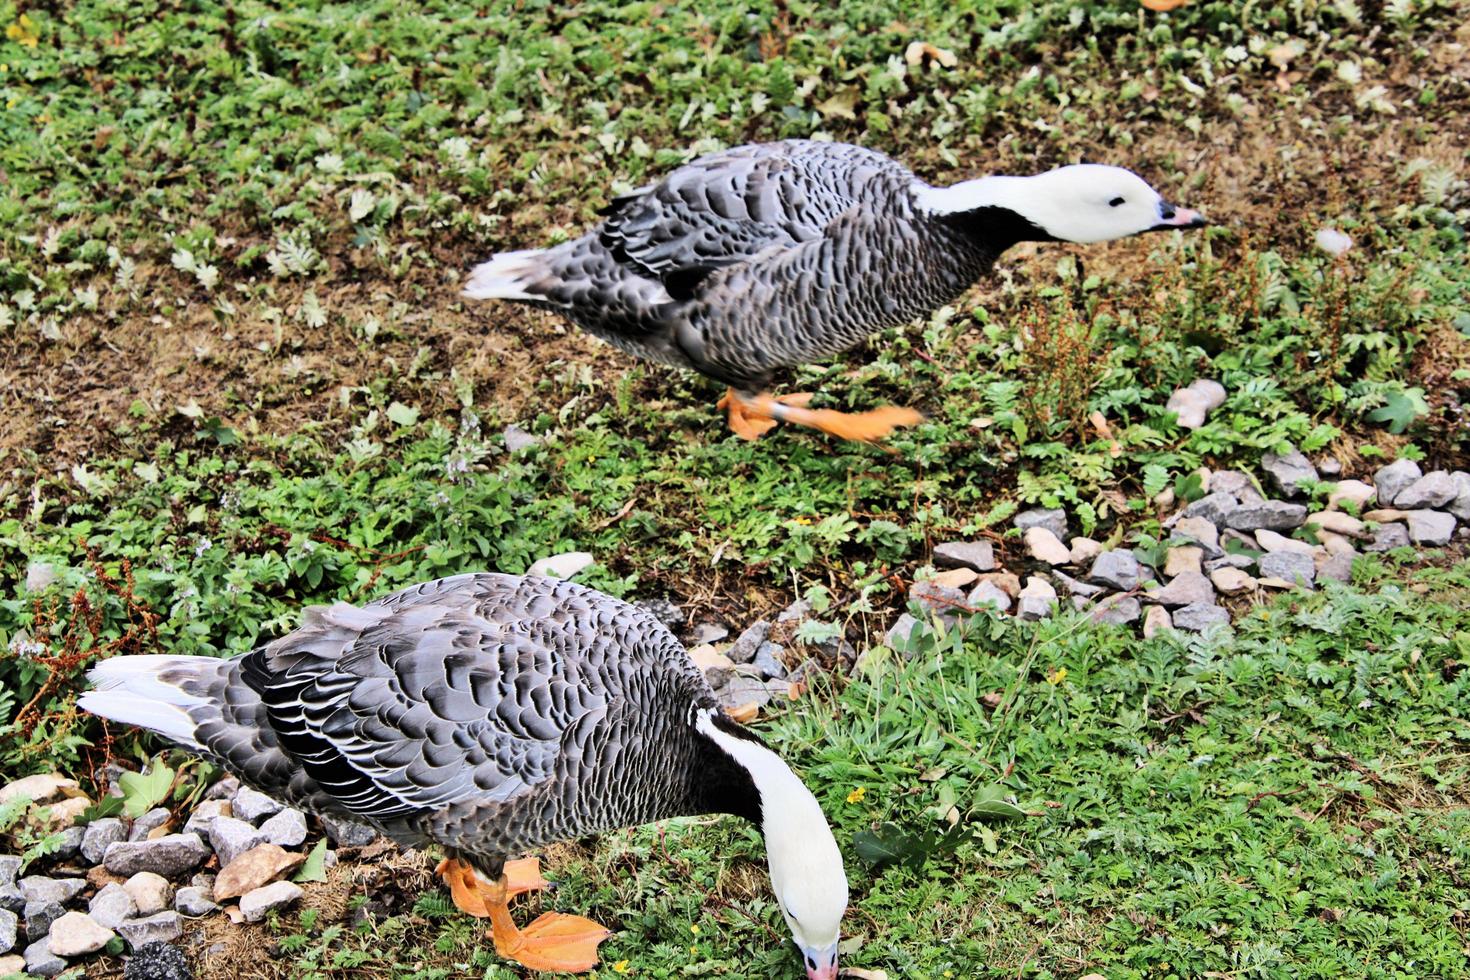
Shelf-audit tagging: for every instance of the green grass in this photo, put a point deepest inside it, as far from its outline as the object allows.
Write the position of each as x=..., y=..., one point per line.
x=236, y=379
x=1289, y=802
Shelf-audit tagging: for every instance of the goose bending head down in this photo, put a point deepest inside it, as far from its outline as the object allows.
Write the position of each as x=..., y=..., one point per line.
x=491, y=715
x=754, y=260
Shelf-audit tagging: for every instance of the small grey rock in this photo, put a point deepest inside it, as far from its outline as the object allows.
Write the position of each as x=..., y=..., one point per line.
x=1388, y=537
x=664, y=610
x=900, y=634
x=347, y=833
x=157, y=928
x=37, y=888
x=147, y=823
x=988, y=594
x=742, y=651
x=1054, y=520
x=39, y=916
x=1460, y=506
x=157, y=961
x=1155, y=621
x=1199, y=616
x=150, y=892
x=194, y=901
x=1291, y=566
x=285, y=829
x=11, y=900
x=111, y=905
x=933, y=598
x=1037, y=600
x=979, y=555
x=795, y=613
x=41, y=962
x=1230, y=560
x=1390, y=480
x=1329, y=466
x=1430, y=491
x=1274, y=515
x=70, y=846
x=9, y=930
x=1117, y=569
x=9, y=867
x=1288, y=471
x=707, y=633
x=232, y=837
x=1075, y=587
x=1237, y=484
x=253, y=806
x=1189, y=408
x=168, y=856
x=1184, y=589
x=77, y=934
x=1431, y=527
x=1212, y=507
x=1117, y=610
x=98, y=834
x=742, y=690
x=1339, y=568
x=1198, y=531
x=517, y=438
x=254, y=905
x=205, y=814
x=224, y=789
x=768, y=660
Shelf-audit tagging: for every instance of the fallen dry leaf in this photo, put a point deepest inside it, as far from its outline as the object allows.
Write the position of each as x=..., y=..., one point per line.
x=841, y=104
x=745, y=713
x=921, y=51
x=1163, y=6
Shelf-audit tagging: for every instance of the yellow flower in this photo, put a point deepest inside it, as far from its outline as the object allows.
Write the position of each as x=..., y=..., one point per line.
x=44, y=117
x=856, y=796
x=949, y=973
x=1057, y=676
x=621, y=966
x=23, y=31
x=694, y=929
x=804, y=521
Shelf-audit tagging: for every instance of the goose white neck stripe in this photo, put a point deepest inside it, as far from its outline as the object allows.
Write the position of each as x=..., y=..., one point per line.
x=805, y=864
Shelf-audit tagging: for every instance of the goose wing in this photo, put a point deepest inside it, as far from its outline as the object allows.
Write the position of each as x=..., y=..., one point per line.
x=729, y=207
x=420, y=705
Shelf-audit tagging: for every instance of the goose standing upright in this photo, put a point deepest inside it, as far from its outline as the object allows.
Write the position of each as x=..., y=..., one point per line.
x=760, y=258
x=492, y=714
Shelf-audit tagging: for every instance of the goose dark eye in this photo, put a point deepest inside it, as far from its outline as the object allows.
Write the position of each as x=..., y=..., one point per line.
x=1115, y=202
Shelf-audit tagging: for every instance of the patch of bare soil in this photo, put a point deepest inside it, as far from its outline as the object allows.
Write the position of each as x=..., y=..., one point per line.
x=1271, y=169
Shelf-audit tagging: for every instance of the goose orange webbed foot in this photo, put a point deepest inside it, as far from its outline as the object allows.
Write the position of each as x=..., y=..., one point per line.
x=553, y=942
x=752, y=417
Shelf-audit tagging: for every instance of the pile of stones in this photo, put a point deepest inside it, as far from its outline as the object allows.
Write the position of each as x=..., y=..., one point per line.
x=126, y=884
x=1239, y=538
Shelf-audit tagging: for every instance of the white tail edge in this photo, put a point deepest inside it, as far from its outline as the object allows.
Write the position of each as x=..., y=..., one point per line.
x=505, y=276
x=129, y=690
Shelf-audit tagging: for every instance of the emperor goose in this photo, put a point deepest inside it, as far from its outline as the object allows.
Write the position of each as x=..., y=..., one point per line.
x=492, y=714
x=759, y=258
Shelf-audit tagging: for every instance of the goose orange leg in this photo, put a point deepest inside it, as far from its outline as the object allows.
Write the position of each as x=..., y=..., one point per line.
x=554, y=942
x=752, y=417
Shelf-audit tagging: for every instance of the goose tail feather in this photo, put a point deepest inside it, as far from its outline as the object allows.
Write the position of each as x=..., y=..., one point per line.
x=508, y=275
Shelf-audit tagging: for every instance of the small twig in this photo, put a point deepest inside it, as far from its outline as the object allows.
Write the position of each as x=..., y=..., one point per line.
x=1254, y=800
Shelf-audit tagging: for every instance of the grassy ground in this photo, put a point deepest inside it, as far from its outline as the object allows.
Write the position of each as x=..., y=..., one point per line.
x=236, y=378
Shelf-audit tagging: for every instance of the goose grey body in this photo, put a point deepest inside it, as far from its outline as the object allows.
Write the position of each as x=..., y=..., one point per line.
x=758, y=258
x=763, y=257
x=489, y=713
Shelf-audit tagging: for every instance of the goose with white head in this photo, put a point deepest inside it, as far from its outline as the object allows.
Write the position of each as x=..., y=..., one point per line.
x=749, y=262
x=492, y=714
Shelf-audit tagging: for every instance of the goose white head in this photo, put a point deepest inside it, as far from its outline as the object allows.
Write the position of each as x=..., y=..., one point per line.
x=1086, y=202
x=805, y=864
